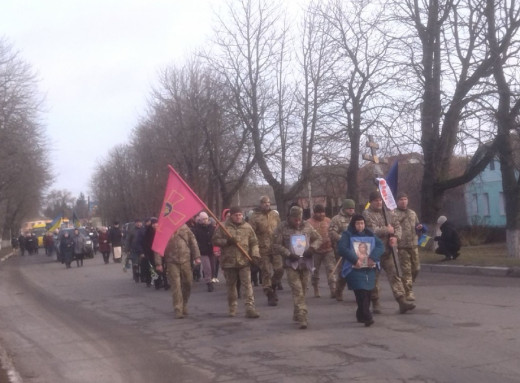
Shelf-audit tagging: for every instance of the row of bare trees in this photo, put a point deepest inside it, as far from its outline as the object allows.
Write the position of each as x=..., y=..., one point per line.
x=24, y=167
x=277, y=93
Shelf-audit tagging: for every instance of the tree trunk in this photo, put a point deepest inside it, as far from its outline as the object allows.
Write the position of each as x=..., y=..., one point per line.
x=513, y=242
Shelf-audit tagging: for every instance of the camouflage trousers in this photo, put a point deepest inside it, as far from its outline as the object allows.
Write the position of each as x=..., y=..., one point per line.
x=410, y=266
x=181, y=279
x=328, y=260
x=232, y=275
x=396, y=284
x=272, y=271
x=298, y=280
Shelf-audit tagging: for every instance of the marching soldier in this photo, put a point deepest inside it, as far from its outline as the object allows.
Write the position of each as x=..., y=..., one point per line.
x=407, y=245
x=264, y=221
x=389, y=235
x=297, y=241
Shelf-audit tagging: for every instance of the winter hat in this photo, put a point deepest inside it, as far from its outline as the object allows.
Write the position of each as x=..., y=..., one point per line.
x=154, y=220
x=319, y=208
x=348, y=204
x=401, y=195
x=234, y=210
x=296, y=212
x=374, y=195
x=441, y=220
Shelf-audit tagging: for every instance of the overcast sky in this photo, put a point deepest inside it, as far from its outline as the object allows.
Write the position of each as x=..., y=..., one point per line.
x=97, y=61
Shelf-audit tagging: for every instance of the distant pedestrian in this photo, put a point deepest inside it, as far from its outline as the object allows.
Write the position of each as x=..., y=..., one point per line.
x=115, y=238
x=104, y=245
x=79, y=247
x=66, y=249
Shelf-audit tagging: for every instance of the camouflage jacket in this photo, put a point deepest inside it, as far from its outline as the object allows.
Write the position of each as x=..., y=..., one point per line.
x=181, y=247
x=408, y=221
x=375, y=221
x=282, y=240
x=338, y=224
x=322, y=227
x=264, y=224
x=231, y=256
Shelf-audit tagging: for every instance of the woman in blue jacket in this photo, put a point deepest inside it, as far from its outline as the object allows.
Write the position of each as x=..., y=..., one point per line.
x=361, y=251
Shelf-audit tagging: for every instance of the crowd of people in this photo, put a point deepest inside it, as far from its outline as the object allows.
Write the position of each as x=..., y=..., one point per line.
x=259, y=248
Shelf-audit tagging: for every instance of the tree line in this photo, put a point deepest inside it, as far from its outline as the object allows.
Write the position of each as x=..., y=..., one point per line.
x=275, y=95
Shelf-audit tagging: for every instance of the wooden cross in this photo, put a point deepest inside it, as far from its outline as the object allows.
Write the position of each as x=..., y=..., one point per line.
x=372, y=157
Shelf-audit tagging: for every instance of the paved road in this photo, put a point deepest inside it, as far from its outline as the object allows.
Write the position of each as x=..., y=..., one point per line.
x=94, y=324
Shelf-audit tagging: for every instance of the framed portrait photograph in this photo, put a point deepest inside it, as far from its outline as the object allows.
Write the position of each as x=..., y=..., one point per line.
x=362, y=246
x=299, y=244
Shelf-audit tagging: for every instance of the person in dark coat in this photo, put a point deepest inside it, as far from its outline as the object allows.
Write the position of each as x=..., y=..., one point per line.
x=115, y=238
x=204, y=231
x=67, y=249
x=104, y=245
x=360, y=250
x=21, y=243
x=448, y=241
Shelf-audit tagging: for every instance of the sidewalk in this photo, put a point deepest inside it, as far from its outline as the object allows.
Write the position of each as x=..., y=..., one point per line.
x=491, y=271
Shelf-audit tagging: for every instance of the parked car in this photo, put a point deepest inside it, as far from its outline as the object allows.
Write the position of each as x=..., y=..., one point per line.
x=89, y=249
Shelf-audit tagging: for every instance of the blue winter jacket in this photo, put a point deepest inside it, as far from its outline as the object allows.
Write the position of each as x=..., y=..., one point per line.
x=359, y=279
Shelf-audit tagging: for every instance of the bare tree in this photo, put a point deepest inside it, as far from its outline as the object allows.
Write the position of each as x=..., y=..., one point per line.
x=503, y=20
x=453, y=63
x=365, y=74
x=23, y=159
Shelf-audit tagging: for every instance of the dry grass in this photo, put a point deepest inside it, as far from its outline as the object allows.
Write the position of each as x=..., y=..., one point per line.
x=494, y=254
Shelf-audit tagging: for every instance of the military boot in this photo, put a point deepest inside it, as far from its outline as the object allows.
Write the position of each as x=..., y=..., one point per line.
x=233, y=311
x=404, y=306
x=275, y=296
x=251, y=313
x=340, y=286
x=410, y=296
x=303, y=322
x=376, y=307
x=316, y=291
x=271, y=298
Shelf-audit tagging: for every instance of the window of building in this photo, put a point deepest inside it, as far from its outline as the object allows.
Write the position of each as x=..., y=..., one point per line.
x=502, y=204
x=485, y=204
x=474, y=204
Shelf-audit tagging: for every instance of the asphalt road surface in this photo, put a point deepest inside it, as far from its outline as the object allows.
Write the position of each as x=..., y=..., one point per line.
x=94, y=324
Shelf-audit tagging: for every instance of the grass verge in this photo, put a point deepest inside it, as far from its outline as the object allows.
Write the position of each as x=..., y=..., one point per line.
x=494, y=254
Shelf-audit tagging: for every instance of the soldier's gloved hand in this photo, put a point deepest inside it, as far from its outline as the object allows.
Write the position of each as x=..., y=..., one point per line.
x=232, y=241
x=308, y=253
x=293, y=257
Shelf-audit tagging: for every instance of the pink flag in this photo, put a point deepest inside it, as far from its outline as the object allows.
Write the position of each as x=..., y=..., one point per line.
x=179, y=205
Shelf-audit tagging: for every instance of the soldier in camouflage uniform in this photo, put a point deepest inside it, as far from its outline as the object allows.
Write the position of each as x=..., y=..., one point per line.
x=324, y=255
x=389, y=235
x=264, y=221
x=297, y=257
x=407, y=244
x=338, y=225
x=234, y=263
x=181, y=250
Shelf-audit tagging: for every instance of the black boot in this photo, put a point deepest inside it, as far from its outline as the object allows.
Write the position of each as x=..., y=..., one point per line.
x=210, y=287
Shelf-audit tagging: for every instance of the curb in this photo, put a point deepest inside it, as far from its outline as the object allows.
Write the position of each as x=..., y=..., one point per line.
x=491, y=271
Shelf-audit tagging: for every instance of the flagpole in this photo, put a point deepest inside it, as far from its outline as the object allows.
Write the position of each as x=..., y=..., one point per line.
x=212, y=215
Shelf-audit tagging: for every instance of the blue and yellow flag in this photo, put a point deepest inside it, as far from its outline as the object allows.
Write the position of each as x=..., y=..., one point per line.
x=423, y=240
x=56, y=223
x=75, y=220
